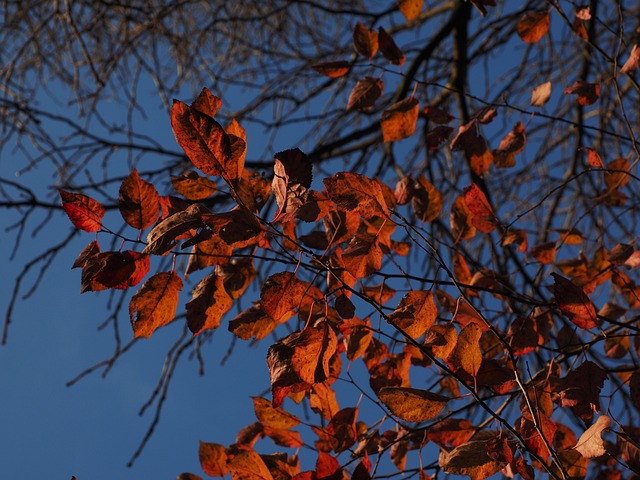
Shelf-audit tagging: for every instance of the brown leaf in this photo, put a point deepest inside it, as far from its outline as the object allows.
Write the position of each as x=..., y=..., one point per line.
x=312, y=352
x=399, y=120
x=355, y=192
x=574, y=303
x=365, y=93
x=633, y=62
x=154, y=305
x=415, y=313
x=238, y=139
x=203, y=140
x=590, y=444
x=616, y=177
x=273, y=417
x=247, y=465
x=192, y=186
x=634, y=388
x=333, y=69
x=162, y=237
x=531, y=433
x=253, y=322
x=412, y=405
x=523, y=335
x=139, y=201
x=533, y=26
x=474, y=146
x=471, y=459
x=84, y=212
x=410, y=8
x=483, y=217
x=389, y=49
x=363, y=255
x=512, y=144
x=365, y=41
x=580, y=390
x=541, y=94
x=291, y=182
x=579, y=29
x=588, y=93
x=519, y=237
x=442, y=338
x=467, y=354
x=322, y=400
x=451, y=432
x=207, y=103
x=117, y=270
x=460, y=220
x=87, y=252
x=426, y=200
x=213, y=459
x=209, y=302
x=545, y=253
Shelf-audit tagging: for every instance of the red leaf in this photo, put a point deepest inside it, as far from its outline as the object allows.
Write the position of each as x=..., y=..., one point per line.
x=139, y=201
x=588, y=93
x=533, y=26
x=365, y=93
x=84, y=212
x=117, y=270
x=155, y=303
x=483, y=217
x=574, y=303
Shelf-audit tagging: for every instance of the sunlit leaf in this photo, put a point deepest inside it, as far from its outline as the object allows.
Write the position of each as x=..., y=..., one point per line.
x=365, y=41
x=209, y=302
x=399, y=120
x=512, y=144
x=213, y=459
x=334, y=69
x=355, y=192
x=591, y=444
x=207, y=103
x=410, y=8
x=273, y=417
x=193, y=186
x=138, y=201
x=412, y=405
x=84, y=212
x=483, y=217
x=247, y=465
x=541, y=94
x=415, y=313
x=533, y=26
x=154, y=305
x=467, y=354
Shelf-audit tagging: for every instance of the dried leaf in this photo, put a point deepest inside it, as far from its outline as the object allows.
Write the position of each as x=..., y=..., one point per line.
x=283, y=292
x=291, y=182
x=365, y=41
x=117, y=270
x=162, y=237
x=545, y=253
x=363, y=255
x=580, y=390
x=139, y=201
x=334, y=69
x=365, y=93
x=389, y=49
x=253, y=322
x=541, y=94
x=512, y=144
x=207, y=103
x=273, y=417
x=574, y=303
x=633, y=62
x=415, y=313
x=483, y=217
x=247, y=465
x=410, y=8
x=412, y=405
x=588, y=93
x=533, y=26
x=467, y=354
x=209, y=302
x=471, y=459
x=213, y=459
x=84, y=212
x=615, y=176
x=474, y=146
x=590, y=444
x=357, y=193
x=460, y=220
x=426, y=200
x=154, y=305
x=193, y=186
x=399, y=120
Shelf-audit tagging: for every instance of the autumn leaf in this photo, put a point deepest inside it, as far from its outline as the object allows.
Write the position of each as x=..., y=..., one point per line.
x=615, y=175
x=355, y=192
x=415, y=313
x=208, y=303
x=333, y=69
x=426, y=200
x=467, y=354
x=633, y=62
x=399, y=120
x=193, y=186
x=247, y=465
x=591, y=444
x=574, y=303
x=284, y=292
x=238, y=227
x=273, y=417
x=483, y=217
x=365, y=41
x=541, y=94
x=117, y=270
x=412, y=405
x=291, y=182
x=365, y=93
x=213, y=459
x=154, y=305
x=139, y=201
x=533, y=26
x=460, y=220
x=162, y=237
x=545, y=252
x=203, y=140
x=207, y=103
x=84, y=212
x=389, y=49
x=471, y=459
x=512, y=144
x=474, y=146
x=253, y=322
x=588, y=93
x=410, y=8
x=363, y=255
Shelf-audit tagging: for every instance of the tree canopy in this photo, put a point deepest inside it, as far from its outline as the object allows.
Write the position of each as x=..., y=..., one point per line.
x=427, y=211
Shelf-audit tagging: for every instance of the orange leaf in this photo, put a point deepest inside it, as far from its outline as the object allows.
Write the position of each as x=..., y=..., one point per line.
x=209, y=302
x=512, y=144
x=192, y=186
x=467, y=354
x=238, y=140
x=334, y=69
x=283, y=292
x=154, y=305
x=365, y=41
x=355, y=192
x=363, y=255
x=412, y=405
x=207, y=103
x=246, y=465
x=203, y=140
x=541, y=94
x=410, y=8
x=460, y=220
x=313, y=350
x=415, y=313
x=399, y=120
x=616, y=177
x=252, y=322
x=442, y=339
x=84, y=212
x=483, y=217
x=426, y=200
x=574, y=303
x=533, y=26
x=474, y=146
x=588, y=93
x=213, y=459
x=273, y=417
x=545, y=253
x=139, y=201
x=365, y=93
x=238, y=227
x=471, y=459
x=594, y=158
x=284, y=438
x=291, y=182
x=322, y=400
x=389, y=49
